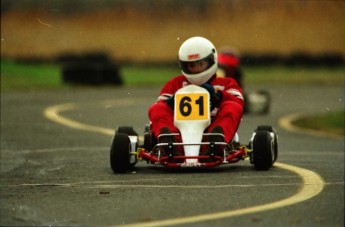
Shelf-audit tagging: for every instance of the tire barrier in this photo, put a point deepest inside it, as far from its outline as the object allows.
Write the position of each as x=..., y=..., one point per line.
x=89, y=69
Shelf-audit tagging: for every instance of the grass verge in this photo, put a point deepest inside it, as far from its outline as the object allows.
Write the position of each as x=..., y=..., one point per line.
x=332, y=122
x=294, y=75
x=19, y=76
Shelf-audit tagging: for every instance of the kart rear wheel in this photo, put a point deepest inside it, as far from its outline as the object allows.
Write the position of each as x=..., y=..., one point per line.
x=263, y=150
x=149, y=138
x=120, y=153
x=270, y=129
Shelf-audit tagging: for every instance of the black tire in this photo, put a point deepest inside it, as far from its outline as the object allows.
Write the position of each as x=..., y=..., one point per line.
x=147, y=141
x=263, y=150
x=147, y=128
x=120, y=153
x=269, y=128
x=127, y=130
x=148, y=138
x=130, y=132
x=265, y=128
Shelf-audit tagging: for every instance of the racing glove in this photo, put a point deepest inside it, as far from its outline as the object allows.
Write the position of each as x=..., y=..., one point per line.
x=215, y=96
x=170, y=101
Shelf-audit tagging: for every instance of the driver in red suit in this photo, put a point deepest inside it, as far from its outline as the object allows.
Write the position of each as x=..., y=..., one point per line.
x=198, y=62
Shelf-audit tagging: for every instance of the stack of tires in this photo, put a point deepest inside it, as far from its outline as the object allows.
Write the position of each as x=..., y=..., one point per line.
x=89, y=69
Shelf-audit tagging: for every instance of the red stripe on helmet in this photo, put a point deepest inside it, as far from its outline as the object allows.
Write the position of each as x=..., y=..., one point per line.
x=193, y=56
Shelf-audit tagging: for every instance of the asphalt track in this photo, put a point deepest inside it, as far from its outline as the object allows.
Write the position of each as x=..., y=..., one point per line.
x=55, y=165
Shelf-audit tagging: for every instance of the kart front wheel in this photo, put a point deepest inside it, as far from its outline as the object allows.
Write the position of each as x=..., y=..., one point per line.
x=263, y=150
x=120, y=153
x=273, y=133
x=127, y=130
x=130, y=132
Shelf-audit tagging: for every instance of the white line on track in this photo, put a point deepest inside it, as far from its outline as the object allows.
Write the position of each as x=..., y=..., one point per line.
x=311, y=186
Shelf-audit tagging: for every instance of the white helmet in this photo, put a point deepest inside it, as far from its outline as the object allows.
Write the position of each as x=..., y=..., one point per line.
x=196, y=49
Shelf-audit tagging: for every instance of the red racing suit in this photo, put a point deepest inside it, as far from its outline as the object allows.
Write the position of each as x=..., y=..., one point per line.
x=227, y=115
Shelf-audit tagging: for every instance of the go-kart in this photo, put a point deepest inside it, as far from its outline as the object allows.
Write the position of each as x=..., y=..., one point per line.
x=257, y=102
x=200, y=149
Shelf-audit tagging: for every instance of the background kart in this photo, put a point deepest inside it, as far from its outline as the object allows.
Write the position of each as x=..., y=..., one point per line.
x=257, y=102
x=200, y=149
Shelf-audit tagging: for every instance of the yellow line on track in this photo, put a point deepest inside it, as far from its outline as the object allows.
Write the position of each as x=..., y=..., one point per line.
x=53, y=114
x=311, y=186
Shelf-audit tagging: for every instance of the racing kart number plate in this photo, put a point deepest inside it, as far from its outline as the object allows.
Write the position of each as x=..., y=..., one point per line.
x=194, y=106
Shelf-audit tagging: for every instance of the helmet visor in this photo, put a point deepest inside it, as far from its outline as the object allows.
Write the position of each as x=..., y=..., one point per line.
x=195, y=67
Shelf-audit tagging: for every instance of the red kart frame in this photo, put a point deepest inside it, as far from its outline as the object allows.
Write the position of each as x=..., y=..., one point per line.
x=171, y=161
